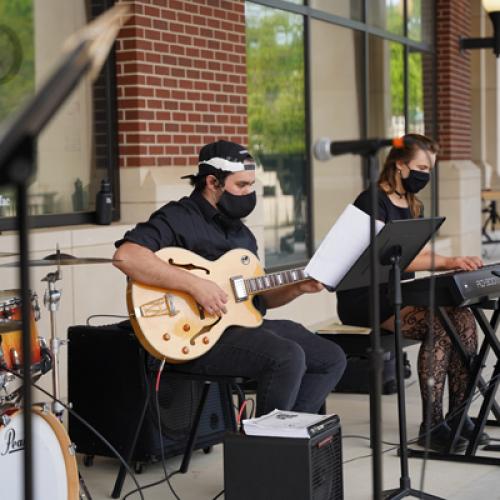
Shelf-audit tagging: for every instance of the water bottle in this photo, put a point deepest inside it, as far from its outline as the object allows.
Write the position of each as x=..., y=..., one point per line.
x=104, y=204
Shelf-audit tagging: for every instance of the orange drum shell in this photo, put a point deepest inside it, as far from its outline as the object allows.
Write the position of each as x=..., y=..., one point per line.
x=14, y=340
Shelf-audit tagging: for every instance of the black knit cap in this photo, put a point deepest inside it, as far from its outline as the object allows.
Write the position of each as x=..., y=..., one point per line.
x=222, y=156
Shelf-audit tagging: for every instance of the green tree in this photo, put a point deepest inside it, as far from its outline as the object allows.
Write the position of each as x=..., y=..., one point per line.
x=17, y=18
x=275, y=61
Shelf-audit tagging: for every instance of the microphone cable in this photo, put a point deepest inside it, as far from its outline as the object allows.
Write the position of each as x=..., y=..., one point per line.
x=85, y=423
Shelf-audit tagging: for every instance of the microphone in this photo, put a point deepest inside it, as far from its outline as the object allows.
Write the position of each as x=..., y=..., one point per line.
x=324, y=149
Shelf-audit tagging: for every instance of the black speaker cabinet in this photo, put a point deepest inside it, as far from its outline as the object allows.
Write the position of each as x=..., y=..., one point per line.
x=108, y=387
x=271, y=468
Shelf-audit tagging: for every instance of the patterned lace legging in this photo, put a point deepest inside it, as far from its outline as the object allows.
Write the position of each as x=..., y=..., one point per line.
x=440, y=358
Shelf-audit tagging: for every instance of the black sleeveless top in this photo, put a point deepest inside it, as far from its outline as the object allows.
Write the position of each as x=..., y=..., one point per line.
x=353, y=306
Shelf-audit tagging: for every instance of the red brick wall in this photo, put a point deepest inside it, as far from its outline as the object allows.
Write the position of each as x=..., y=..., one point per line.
x=181, y=77
x=453, y=80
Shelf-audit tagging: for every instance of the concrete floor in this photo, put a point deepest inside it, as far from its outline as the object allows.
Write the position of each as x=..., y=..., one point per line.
x=450, y=480
x=205, y=478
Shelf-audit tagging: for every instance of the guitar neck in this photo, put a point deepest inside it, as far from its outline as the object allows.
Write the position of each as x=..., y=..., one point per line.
x=274, y=280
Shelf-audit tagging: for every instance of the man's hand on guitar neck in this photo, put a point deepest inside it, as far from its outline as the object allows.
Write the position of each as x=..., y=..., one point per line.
x=310, y=286
x=210, y=296
x=281, y=296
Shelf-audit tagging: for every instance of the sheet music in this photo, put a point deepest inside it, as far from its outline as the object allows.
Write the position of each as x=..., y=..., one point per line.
x=342, y=246
x=279, y=423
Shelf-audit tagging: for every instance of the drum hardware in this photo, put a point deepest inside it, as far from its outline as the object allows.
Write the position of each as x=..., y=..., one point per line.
x=51, y=299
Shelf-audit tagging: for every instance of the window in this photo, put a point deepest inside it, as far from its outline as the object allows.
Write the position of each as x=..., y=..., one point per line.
x=277, y=128
x=357, y=77
x=387, y=15
x=74, y=151
x=351, y=9
x=336, y=112
x=386, y=113
x=420, y=20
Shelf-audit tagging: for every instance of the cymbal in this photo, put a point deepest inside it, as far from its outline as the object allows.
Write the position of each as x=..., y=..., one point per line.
x=10, y=325
x=62, y=259
x=8, y=254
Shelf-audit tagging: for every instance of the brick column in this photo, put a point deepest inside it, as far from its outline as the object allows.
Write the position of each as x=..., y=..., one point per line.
x=181, y=77
x=453, y=18
x=459, y=177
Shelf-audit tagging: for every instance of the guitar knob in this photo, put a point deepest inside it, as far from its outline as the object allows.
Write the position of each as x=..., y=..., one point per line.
x=166, y=336
x=206, y=340
x=186, y=327
x=185, y=350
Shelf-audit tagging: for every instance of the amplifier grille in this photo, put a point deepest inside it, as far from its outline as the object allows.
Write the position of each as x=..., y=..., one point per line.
x=326, y=467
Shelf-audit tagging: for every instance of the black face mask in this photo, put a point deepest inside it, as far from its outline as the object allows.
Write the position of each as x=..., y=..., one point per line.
x=237, y=206
x=415, y=181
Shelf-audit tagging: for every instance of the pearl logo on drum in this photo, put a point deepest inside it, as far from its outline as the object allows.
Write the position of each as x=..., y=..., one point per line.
x=11, y=443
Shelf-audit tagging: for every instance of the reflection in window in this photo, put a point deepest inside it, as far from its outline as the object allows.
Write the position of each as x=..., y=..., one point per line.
x=387, y=15
x=276, y=122
x=420, y=93
x=420, y=20
x=351, y=9
x=386, y=88
x=415, y=94
x=71, y=150
x=17, y=71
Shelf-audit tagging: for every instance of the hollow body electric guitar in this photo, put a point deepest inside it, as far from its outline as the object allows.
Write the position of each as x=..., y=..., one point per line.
x=171, y=325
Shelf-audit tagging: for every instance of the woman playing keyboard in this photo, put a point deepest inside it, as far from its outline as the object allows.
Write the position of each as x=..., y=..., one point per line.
x=406, y=171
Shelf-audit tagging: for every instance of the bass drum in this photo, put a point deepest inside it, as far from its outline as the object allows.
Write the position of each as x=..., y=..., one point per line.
x=55, y=475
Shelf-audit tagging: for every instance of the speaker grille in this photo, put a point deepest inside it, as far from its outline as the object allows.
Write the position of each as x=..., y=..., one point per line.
x=178, y=400
x=326, y=466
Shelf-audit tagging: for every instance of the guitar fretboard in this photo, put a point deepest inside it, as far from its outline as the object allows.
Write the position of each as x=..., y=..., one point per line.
x=274, y=280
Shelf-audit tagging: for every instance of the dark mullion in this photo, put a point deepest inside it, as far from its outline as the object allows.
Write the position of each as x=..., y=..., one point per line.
x=406, y=55
x=308, y=114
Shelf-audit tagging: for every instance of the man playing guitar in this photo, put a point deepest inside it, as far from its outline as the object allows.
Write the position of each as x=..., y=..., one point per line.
x=294, y=369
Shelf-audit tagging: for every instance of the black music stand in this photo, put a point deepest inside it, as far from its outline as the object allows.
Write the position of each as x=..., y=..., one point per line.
x=399, y=242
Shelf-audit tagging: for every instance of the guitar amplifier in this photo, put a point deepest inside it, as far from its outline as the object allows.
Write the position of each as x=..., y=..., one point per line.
x=276, y=468
x=108, y=386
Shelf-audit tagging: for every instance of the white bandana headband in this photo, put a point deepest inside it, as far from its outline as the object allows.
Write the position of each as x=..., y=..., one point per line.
x=228, y=165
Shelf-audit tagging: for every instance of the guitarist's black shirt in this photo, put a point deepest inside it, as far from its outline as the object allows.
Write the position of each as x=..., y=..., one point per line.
x=194, y=224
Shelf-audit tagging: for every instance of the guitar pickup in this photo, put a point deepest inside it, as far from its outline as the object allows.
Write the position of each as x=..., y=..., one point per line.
x=239, y=288
x=164, y=306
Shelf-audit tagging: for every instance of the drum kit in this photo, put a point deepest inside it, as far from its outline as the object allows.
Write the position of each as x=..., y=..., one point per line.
x=56, y=474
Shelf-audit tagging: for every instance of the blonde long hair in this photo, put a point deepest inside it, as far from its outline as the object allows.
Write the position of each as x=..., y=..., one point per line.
x=387, y=178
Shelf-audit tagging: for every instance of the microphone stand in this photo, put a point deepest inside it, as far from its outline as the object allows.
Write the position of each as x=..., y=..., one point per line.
x=405, y=489
x=375, y=353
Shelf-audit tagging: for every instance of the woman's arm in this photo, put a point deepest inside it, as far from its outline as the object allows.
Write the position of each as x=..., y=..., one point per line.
x=424, y=262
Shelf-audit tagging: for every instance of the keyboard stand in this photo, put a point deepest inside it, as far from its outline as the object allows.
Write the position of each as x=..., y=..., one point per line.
x=488, y=389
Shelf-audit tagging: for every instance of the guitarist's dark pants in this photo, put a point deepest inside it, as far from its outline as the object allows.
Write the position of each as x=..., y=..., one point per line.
x=294, y=368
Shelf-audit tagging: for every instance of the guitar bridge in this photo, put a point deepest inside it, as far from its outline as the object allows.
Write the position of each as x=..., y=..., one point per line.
x=164, y=306
x=239, y=289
